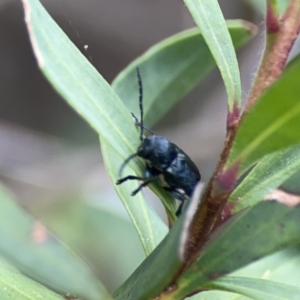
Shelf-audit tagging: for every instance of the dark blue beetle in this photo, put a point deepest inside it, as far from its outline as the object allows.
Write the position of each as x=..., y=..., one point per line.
x=165, y=163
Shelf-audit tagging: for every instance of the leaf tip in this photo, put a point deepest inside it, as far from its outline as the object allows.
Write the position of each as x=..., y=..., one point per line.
x=283, y=197
x=272, y=22
x=252, y=28
x=34, y=43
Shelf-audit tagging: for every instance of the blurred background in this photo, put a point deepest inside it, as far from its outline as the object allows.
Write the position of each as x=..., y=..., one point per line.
x=50, y=158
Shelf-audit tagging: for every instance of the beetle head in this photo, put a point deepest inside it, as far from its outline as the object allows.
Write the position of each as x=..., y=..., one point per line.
x=145, y=150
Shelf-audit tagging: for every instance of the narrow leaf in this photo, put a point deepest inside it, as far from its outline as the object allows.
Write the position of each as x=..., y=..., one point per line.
x=14, y=285
x=216, y=295
x=246, y=237
x=282, y=267
x=259, y=289
x=273, y=123
x=27, y=244
x=149, y=226
x=78, y=81
x=208, y=16
x=292, y=185
x=163, y=264
x=98, y=231
x=171, y=68
x=80, y=84
x=267, y=175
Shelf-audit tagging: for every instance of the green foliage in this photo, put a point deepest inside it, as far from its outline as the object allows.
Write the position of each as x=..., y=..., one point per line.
x=186, y=59
x=225, y=253
x=183, y=69
x=250, y=254
x=14, y=285
x=269, y=173
x=43, y=257
x=150, y=227
x=208, y=16
x=146, y=280
x=273, y=123
x=257, y=288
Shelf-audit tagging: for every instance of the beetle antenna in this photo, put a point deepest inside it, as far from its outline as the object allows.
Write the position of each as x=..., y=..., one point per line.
x=138, y=123
x=126, y=162
x=138, y=74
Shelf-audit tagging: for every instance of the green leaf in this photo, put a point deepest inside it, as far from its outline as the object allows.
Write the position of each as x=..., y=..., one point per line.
x=78, y=81
x=14, y=285
x=171, y=68
x=80, y=84
x=282, y=266
x=156, y=271
x=248, y=236
x=162, y=265
x=273, y=123
x=292, y=185
x=98, y=231
x=217, y=295
x=149, y=226
x=267, y=175
x=259, y=289
x=137, y=203
x=27, y=244
x=208, y=16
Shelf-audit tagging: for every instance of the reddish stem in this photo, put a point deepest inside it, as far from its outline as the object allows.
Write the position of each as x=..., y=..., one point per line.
x=278, y=46
x=272, y=18
x=280, y=38
x=213, y=201
x=208, y=215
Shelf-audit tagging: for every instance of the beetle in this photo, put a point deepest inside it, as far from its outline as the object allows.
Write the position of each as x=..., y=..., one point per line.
x=165, y=162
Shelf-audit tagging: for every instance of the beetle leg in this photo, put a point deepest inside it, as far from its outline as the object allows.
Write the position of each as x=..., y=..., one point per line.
x=143, y=185
x=130, y=177
x=177, y=195
x=179, y=209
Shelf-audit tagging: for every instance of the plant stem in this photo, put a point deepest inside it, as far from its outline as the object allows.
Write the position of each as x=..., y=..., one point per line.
x=272, y=18
x=207, y=217
x=281, y=35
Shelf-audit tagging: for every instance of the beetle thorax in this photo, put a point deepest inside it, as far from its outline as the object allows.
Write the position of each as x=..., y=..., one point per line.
x=158, y=151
